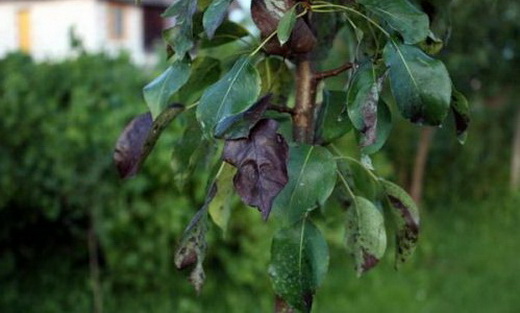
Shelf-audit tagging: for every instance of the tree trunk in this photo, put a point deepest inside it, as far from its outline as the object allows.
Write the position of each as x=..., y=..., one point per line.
x=421, y=157
x=515, y=155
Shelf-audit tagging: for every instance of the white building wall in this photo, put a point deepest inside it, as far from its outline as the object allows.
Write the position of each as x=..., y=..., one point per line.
x=52, y=21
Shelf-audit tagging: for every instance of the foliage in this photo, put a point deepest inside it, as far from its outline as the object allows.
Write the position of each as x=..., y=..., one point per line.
x=392, y=67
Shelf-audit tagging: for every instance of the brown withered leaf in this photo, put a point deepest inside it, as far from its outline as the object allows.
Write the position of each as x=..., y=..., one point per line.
x=138, y=139
x=261, y=160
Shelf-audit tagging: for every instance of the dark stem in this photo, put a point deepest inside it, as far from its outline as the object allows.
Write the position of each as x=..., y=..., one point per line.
x=281, y=109
x=303, y=117
x=333, y=72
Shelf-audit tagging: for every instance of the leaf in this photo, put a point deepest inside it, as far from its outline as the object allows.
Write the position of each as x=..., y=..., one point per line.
x=192, y=248
x=406, y=218
x=286, y=25
x=420, y=84
x=383, y=128
x=432, y=44
x=233, y=94
x=277, y=79
x=362, y=101
x=205, y=72
x=220, y=208
x=299, y=263
x=333, y=121
x=180, y=36
x=214, y=15
x=261, y=160
x=402, y=16
x=363, y=180
x=157, y=94
x=460, y=109
x=138, y=139
x=365, y=235
x=312, y=176
x=226, y=33
x=239, y=126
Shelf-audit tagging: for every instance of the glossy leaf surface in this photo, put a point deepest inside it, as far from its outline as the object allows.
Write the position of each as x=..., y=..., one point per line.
x=333, y=121
x=180, y=36
x=286, y=25
x=460, y=109
x=214, y=15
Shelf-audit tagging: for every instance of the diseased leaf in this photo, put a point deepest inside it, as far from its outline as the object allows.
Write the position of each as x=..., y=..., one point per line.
x=333, y=121
x=138, y=139
x=233, y=94
x=312, y=176
x=362, y=101
x=261, y=160
x=383, y=128
x=214, y=15
x=220, y=208
x=406, y=217
x=205, y=72
x=299, y=263
x=180, y=36
x=460, y=109
x=158, y=93
x=239, y=126
x=192, y=248
x=402, y=16
x=420, y=84
x=286, y=25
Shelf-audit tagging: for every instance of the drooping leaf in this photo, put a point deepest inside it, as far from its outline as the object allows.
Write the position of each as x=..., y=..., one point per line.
x=138, y=139
x=402, y=16
x=406, y=217
x=220, y=208
x=383, y=128
x=286, y=25
x=362, y=101
x=460, y=109
x=420, y=84
x=180, y=36
x=312, y=176
x=239, y=126
x=299, y=263
x=432, y=44
x=261, y=160
x=214, y=15
x=192, y=248
x=226, y=33
x=333, y=121
x=233, y=94
x=205, y=72
x=365, y=235
x=158, y=93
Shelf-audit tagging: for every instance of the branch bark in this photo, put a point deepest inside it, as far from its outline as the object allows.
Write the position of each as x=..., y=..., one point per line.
x=303, y=117
x=421, y=157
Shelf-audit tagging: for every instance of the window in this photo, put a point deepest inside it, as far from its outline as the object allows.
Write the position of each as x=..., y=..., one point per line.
x=24, y=30
x=116, y=21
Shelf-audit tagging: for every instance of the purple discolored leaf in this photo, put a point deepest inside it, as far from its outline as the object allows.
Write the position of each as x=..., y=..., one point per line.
x=138, y=139
x=261, y=160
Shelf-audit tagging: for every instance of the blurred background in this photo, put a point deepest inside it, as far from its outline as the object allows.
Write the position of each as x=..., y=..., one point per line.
x=75, y=238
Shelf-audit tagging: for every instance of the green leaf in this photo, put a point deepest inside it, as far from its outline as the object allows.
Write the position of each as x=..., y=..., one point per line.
x=460, y=109
x=205, y=72
x=138, y=138
x=286, y=25
x=277, y=79
x=226, y=33
x=299, y=263
x=214, y=15
x=192, y=248
x=220, y=208
x=432, y=44
x=383, y=129
x=312, y=176
x=365, y=234
x=233, y=94
x=420, y=84
x=333, y=121
x=180, y=36
x=362, y=101
x=158, y=93
x=401, y=16
x=406, y=218
x=365, y=184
